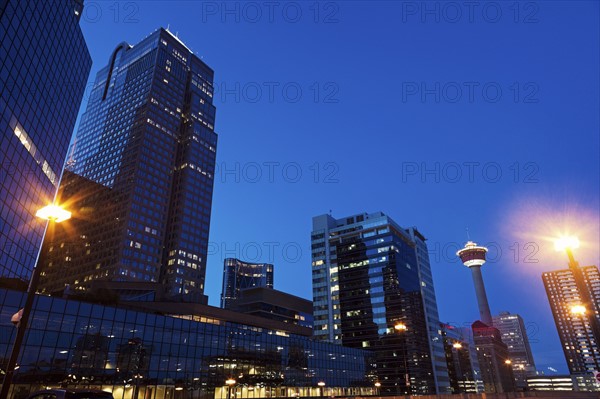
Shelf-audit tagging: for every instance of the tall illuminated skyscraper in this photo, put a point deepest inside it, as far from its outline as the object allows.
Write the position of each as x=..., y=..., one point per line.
x=580, y=347
x=148, y=136
x=44, y=66
x=373, y=289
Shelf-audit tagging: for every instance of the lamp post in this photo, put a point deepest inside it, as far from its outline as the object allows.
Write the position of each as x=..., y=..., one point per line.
x=50, y=213
x=229, y=382
x=401, y=328
x=459, y=376
x=509, y=373
x=568, y=244
x=321, y=385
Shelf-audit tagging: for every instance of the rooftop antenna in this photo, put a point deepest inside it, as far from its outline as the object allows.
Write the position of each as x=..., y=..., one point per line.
x=468, y=237
x=168, y=27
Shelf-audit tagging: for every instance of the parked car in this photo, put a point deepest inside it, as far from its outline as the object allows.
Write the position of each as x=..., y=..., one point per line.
x=66, y=393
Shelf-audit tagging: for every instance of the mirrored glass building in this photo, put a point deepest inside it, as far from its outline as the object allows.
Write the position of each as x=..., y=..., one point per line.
x=239, y=275
x=373, y=289
x=147, y=135
x=44, y=67
x=136, y=353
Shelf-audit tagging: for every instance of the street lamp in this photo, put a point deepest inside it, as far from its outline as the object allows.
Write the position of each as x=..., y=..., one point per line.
x=401, y=328
x=229, y=382
x=457, y=345
x=510, y=375
x=321, y=385
x=49, y=213
x=579, y=310
x=53, y=213
x=568, y=244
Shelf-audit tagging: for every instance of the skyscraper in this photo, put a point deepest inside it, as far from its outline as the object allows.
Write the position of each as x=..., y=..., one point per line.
x=44, y=66
x=575, y=331
x=148, y=135
x=514, y=335
x=372, y=289
x=239, y=275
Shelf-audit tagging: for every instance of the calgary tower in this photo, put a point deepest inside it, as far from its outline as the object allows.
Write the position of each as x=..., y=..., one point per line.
x=473, y=257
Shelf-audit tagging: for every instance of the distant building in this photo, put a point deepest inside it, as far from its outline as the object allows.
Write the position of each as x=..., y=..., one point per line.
x=580, y=383
x=514, y=335
x=239, y=275
x=372, y=289
x=461, y=359
x=275, y=305
x=493, y=357
x=576, y=333
x=44, y=67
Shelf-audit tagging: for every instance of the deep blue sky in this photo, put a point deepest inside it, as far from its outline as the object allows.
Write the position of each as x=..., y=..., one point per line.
x=368, y=120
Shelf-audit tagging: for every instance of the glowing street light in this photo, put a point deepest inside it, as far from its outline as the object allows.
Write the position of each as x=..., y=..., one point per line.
x=321, y=385
x=508, y=362
x=50, y=213
x=579, y=310
x=566, y=242
x=377, y=384
x=457, y=345
x=401, y=327
x=53, y=213
x=229, y=382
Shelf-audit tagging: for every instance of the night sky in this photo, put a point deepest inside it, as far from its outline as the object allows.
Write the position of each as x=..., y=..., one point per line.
x=443, y=115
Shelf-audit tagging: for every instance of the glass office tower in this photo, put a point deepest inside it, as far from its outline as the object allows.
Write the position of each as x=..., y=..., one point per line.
x=372, y=289
x=148, y=135
x=239, y=275
x=44, y=66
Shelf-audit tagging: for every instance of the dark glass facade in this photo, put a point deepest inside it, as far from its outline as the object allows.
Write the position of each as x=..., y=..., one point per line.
x=275, y=305
x=238, y=275
x=44, y=66
x=369, y=277
x=83, y=240
x=142, y=354
x=148, y=135
x=461, y=358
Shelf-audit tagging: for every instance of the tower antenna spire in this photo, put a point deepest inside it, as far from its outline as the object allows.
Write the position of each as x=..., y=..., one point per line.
x=468, y=236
